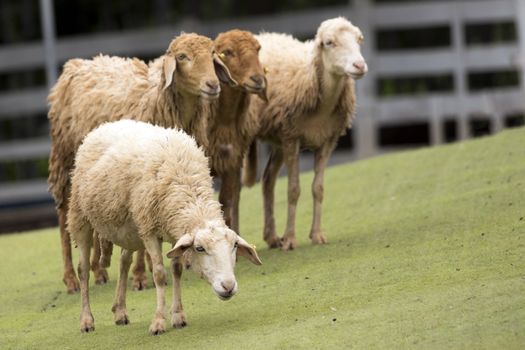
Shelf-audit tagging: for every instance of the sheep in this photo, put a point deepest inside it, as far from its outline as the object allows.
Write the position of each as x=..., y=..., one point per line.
x=176, y=89
x=230, y=130
x=138, y=185
x=311, y=103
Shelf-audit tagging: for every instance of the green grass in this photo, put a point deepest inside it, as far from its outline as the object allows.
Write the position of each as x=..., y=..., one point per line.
x=426, y=251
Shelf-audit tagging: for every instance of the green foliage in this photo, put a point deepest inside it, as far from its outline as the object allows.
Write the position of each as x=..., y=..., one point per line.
x=415, y=85
x=490, y=33
x=426, y=251
x=12, y=171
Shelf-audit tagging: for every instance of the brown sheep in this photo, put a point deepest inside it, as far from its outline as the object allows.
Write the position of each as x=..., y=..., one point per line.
x=311, y=102
x=230, y=129
x=175, y=90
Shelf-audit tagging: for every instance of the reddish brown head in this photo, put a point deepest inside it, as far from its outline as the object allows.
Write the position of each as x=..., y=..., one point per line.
x=191, y=65
x=239, y=50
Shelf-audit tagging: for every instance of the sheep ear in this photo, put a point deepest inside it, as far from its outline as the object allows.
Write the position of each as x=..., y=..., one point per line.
x=248, y=251
x=262, y=94
x=169, y=68
x=182, y=244
x=222, y=71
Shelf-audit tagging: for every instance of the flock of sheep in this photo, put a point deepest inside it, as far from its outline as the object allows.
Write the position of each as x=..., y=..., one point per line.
x=135, y=145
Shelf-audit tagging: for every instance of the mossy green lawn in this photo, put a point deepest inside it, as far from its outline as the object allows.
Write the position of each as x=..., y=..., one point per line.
x=426, y=250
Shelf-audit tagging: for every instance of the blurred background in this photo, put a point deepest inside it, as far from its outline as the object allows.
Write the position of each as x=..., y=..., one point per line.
x=439, y=71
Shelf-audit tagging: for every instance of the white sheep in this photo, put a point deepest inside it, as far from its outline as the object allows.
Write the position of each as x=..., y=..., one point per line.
x=311, y=102
x=138, y=185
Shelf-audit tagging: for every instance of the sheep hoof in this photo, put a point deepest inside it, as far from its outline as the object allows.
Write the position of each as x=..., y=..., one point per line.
x=101, y=276
x=121, y=317
x=288, y=243
x=123, y=321
x=157, y=327
x=179, y=320
x=180, y=325
x=71, y=282
x=273, y=242
x=318, y=238
x=87, y=329
x=139, y=282
x=87, y=324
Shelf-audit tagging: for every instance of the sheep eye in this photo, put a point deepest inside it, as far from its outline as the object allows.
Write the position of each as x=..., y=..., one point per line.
x=181, y=57
x=328, y=43
x=200, y=249
x=228, y=52
x=235, y=245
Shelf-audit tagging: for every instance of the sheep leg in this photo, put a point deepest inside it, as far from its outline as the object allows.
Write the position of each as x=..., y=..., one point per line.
x=291, y=157
x=119, y=306
x=106, y=250
x=229, y=198
x=87, y=322
x=70, y=278
x=148, y=262
x=237, y=184
x=139, y=272
x=101, y=275
x=153, y=247
x=226, y=197
x=268, y=186
x=321, y=159
x=178, y=318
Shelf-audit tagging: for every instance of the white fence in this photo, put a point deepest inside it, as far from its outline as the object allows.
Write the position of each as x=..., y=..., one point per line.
x=459, y=59
x=373, y=112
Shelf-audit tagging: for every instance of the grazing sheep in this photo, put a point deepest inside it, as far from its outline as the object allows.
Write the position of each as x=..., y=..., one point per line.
x=230, y=129
x=311, y=102
x=173, y=91
x=138, y=185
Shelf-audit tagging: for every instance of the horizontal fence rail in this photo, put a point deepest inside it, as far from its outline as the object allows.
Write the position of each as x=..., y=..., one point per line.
x=458, y=60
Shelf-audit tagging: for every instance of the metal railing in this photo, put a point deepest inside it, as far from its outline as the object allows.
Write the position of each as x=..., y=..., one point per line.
x=373, y=111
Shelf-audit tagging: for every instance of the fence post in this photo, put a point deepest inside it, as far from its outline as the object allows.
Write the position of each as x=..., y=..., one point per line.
x=365, y=124
x=497, y=122
x=365, y=130
x=47, y=19
x=496, y=117
x=520, y=24
x=460, y=73
x=436, y=127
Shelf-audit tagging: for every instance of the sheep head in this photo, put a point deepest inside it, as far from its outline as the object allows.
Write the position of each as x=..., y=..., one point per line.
x=212, y=252
x=239, y=50
x=191, y=65
x=339, y=43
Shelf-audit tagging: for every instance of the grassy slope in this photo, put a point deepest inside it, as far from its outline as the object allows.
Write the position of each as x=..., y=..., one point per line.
x=426, y=251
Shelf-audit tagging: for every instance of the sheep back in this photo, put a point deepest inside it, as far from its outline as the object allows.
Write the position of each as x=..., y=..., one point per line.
x=134, y=174
x=294, y=68
x=88, y=93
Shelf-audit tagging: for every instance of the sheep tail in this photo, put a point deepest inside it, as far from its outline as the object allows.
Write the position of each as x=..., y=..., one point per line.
x=249, y=169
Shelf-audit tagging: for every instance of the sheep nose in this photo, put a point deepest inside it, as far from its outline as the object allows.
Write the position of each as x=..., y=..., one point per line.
x=360, y=65
x=228, y=286
x=213, y=85
x=257, y=79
